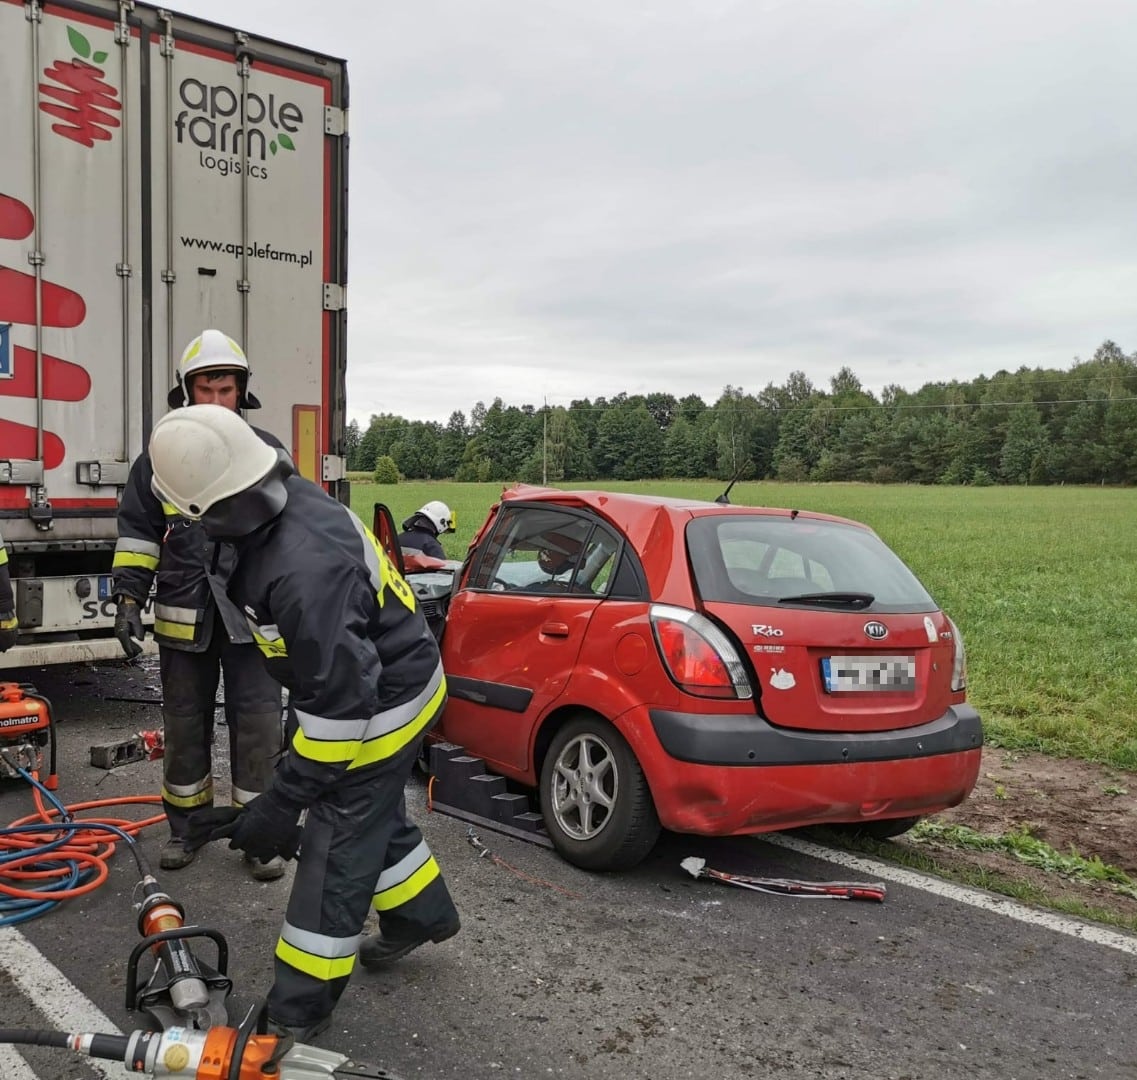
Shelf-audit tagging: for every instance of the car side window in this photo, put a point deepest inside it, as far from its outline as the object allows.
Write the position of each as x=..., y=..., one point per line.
x=546, y=550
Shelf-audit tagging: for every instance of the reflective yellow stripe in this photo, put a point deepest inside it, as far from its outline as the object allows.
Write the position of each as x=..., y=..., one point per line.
x=357, y=753
x=188, y=802
x=273, y=649
x=135, y=558
x=323, y=750
x=9, y=624
x=388, y=745
x=192, y=351
x=319, y=967
x=389, y=577
x=170, y=510
x=399, y=894
x=3, y=555
x=181, y=631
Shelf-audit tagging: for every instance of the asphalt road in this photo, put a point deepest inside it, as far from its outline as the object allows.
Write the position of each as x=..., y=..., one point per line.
x=559, y=973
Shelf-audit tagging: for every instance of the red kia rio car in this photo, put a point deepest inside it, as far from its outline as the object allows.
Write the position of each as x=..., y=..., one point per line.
x=708, y=668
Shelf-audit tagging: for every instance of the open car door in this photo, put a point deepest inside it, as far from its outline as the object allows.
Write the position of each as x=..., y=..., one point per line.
x=383, y=526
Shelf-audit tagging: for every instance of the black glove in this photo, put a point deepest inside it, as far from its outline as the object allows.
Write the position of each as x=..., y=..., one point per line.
x=213, y=823
x=269, y=825
x=9, y=630
x=128, y=626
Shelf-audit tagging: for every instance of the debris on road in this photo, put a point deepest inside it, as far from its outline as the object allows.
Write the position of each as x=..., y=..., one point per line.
x=144, y=746
x=815, y=890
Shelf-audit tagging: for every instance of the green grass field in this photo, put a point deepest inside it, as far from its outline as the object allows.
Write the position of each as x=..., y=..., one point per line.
x=1042, y=581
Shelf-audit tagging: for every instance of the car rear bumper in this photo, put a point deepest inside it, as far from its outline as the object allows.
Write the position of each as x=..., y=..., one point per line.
x=726, y=775
x=749, y=740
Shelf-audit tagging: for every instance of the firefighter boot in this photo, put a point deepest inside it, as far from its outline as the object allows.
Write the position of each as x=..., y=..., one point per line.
x=381, y=949
x=266, y=869
x=174, y=855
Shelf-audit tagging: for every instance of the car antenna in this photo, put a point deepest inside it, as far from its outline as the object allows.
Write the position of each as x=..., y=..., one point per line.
x=724, y=498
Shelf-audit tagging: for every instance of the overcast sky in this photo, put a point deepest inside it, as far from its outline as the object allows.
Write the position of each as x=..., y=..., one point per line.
x=554, y=199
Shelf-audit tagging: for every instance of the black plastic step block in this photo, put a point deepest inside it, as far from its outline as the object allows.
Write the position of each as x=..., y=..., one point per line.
x=529, y=821
x=506, y=806
x=479, y=791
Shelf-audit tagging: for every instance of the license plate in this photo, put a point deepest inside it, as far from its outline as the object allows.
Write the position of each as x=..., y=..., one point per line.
x=106, y=586
x=874, y=673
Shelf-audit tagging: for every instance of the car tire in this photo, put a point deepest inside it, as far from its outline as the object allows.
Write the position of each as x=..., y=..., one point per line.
x=885, y=829
x=596, y=803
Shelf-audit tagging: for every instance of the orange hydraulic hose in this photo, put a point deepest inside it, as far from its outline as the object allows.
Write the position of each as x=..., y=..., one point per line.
x=90, y=848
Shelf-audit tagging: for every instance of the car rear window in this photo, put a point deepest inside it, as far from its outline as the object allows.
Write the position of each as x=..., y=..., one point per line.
x=761, y=559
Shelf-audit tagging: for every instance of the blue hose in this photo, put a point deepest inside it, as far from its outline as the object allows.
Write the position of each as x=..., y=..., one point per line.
x=14, y=910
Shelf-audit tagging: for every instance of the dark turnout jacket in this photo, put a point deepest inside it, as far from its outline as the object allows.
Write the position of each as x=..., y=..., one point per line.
x=342, y=630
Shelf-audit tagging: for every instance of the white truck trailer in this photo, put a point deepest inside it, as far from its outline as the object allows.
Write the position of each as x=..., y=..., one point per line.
x=160, y=175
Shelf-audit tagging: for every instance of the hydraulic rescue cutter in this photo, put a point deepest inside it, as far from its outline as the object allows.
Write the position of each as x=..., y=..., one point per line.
x=184, y=996
x=248, y=1052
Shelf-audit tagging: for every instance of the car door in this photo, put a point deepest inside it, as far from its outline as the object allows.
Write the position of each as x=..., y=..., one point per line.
x=515, y=629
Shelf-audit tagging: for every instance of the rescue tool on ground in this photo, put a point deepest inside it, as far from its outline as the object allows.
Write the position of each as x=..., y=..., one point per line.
x=182, y=994
x=248, y=1052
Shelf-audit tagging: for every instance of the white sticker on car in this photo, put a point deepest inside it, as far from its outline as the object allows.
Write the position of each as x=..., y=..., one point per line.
x=930, y=629
x=762, y=630
x=780, y=679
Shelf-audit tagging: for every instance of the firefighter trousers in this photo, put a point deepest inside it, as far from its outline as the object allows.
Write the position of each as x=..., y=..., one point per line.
x=252, y=712
x=359, y=851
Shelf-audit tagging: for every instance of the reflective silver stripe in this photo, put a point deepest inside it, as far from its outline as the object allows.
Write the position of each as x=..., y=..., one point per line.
x=370, y=556
x=333, y=948
x=323, y=730
x=176, y=614
x=185, y=790
x=320, y=728
x=143, y=547
x=407, y=865
x=241, y=797
x=269, y=633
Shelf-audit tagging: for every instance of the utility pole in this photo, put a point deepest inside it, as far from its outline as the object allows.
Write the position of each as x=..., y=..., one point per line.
x=545, y=445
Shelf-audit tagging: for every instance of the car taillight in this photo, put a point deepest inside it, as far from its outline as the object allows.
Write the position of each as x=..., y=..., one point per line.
x=959, y=660
x=697, y=654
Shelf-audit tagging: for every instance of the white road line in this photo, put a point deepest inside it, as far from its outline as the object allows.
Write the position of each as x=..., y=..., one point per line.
x=53, y=994
x=12, y=1064
x=987, y=901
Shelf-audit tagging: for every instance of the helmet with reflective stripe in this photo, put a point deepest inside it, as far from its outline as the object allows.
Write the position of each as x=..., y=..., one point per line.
x=437, y=513
x=212, y=351
x=203, y=454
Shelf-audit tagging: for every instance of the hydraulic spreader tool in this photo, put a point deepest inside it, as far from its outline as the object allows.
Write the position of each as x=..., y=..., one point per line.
x=52, y=856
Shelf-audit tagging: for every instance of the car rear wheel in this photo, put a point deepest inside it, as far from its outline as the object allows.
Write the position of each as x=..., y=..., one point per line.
x=596, y=803
x=885, y=829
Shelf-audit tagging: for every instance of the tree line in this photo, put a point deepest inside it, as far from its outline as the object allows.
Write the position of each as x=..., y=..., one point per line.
x=1030, y=426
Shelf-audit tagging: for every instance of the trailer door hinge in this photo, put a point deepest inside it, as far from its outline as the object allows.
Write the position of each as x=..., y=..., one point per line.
x=335, y=120
x=21, y=473
x=334, y=468
x=335, y=296
x=102, y=473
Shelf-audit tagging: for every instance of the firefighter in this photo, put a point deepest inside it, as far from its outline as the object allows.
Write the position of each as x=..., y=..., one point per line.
x=341, y=629
x=194, y=641
x=423, y=528
x=8, y=621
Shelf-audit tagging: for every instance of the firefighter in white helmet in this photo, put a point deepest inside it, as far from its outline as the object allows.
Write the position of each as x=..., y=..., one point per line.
x=423, y=528
x=339, y=626
x=195, y=641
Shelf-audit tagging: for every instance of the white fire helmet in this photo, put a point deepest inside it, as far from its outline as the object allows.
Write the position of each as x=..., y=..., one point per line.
x=439, y=515
x=202, y=454
x=212, y=350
